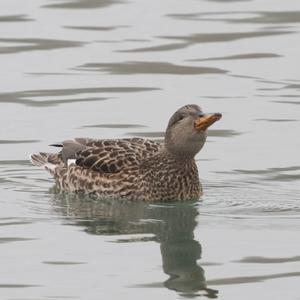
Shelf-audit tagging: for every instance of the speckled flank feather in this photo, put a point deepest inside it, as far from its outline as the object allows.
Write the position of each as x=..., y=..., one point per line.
x=131, y=168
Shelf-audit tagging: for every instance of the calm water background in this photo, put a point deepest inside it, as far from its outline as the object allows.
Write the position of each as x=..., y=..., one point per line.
x=116, y=68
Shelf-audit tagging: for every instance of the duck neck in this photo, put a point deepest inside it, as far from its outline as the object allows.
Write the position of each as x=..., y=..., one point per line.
x=184, y=147
x=181, y=157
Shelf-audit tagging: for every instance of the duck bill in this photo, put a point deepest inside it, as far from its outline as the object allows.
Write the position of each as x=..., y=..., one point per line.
x=207, y=120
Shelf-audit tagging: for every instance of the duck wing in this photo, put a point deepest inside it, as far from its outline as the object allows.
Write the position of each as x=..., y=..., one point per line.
x=109, y=156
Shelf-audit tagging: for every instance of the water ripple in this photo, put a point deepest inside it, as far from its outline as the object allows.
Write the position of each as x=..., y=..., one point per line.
x=146, y=67
x=239, y=57
x=200, y=38
x=34, y=44
x=37, y=97
x=258, y=17
x=15, y=18
x=81, y=4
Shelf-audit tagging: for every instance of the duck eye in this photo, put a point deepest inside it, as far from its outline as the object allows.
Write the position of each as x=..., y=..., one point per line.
x=180, y=117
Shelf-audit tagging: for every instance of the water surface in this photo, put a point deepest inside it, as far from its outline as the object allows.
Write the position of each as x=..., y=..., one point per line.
x=105, y=68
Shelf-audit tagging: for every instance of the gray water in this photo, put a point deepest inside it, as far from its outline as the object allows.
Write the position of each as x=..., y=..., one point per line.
x=116, y=68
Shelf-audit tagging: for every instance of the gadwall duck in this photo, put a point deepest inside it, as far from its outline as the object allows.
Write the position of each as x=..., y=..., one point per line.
x=134, y=168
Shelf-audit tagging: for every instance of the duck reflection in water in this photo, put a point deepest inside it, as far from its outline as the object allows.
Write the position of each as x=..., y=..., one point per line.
x=172, y=226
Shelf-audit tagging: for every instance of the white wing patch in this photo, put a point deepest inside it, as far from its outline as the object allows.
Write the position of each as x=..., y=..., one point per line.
x=71, y=161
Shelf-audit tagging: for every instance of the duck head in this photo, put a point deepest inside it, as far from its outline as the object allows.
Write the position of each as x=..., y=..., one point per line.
x=187, y=130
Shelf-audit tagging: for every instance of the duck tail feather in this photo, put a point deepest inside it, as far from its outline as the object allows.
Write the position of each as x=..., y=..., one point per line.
x=42, y=160
x=56, y=145
x=39, y=159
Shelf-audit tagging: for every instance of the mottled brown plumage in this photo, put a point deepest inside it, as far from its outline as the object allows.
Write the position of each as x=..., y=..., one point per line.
x=134, y=168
